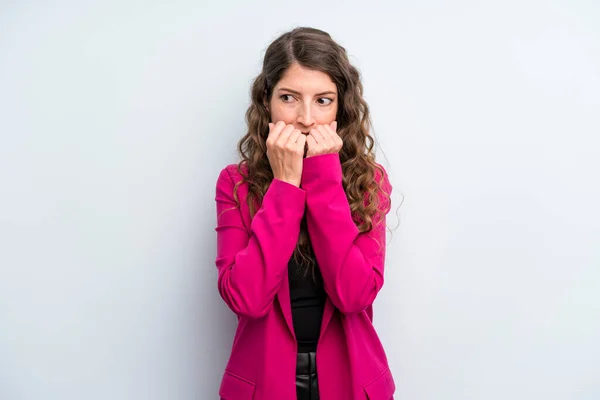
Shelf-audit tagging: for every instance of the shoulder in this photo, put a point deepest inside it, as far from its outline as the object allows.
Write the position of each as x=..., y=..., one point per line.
x=227, y=180
x=382, y=178
x=232, y=173
x=385, y=187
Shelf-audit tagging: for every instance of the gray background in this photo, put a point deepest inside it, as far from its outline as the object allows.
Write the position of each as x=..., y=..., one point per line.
x=117, y=116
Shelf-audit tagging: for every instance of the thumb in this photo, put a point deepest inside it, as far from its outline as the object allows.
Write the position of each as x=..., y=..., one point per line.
x=270, y=125
x=333, y=125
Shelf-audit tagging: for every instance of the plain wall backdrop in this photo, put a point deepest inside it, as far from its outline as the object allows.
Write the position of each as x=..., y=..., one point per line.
x=117, y=116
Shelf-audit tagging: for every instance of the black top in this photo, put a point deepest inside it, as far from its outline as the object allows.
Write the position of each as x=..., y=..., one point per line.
x=307, y=298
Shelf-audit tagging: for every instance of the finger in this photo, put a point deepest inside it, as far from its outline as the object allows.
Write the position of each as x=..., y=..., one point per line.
x=276, y=129
x=312, y=144
x=326, y=133
x=325, y=130
x=337, y=139
x=293, y=138
x=285, y=134
x=301, y=142
x=333, y=135
x=318, y=136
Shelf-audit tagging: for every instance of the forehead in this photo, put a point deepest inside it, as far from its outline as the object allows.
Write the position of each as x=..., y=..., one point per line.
x=306, y=80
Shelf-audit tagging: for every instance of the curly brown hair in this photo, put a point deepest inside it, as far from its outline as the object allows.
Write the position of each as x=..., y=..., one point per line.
x=314, y=49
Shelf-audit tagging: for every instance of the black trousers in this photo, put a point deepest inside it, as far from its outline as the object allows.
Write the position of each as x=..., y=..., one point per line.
x=307, y=387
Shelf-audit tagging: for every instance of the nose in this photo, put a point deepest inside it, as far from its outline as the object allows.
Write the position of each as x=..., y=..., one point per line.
x=305, y=116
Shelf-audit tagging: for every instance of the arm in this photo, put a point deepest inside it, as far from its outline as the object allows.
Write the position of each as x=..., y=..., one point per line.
x=251, y=265
x=351, y=262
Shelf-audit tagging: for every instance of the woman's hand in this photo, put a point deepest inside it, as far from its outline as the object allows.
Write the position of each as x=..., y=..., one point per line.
x=323, y=140
x=285, y=151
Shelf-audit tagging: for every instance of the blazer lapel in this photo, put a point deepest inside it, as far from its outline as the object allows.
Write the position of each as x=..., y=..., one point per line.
x=283, y=295
x=327, y=313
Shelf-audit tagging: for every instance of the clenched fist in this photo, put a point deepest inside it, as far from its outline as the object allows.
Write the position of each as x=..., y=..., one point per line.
x=323, y=140
x=285, y=151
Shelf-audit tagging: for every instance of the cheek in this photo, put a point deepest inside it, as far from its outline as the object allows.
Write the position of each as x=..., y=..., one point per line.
x=285, y=114
x=327, y=116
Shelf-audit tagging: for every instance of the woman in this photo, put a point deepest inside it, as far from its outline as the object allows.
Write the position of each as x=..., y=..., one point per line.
x=301, y=232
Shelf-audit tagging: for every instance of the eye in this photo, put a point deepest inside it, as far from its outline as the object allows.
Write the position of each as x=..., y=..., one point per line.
x=286, y=97
x=326, y=101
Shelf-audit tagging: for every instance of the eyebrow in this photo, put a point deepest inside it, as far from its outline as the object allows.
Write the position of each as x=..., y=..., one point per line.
x=318, y=94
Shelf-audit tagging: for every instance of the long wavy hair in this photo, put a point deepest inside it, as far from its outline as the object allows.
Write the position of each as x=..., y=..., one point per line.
x=313, y=49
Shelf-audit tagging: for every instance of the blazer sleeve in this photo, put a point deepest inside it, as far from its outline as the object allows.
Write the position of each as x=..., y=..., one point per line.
x=252, y=264
x=352, y=263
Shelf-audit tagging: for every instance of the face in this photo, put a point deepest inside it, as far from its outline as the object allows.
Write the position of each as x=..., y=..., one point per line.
x=304, y=98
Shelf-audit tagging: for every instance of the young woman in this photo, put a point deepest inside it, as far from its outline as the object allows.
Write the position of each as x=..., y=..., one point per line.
x=301, y=230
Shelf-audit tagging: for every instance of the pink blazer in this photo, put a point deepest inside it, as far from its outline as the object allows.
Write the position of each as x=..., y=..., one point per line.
x=252, y=262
